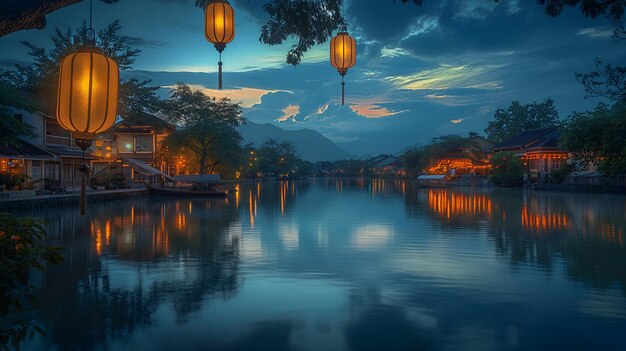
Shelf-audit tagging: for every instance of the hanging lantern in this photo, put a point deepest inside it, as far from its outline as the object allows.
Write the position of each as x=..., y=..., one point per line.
x=87, y=100
x=87, y=94
x=219, y=28
x=343, y=56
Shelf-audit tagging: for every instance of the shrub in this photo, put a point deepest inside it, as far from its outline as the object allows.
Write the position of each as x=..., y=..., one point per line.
x=506, y=169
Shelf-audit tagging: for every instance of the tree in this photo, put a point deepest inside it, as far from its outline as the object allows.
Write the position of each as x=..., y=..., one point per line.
x=12, y=128
x=519, y=118
x=278, y=157
x=311, y=22
x=606, y=81
x=415, y=161
x=20, y=253
x=597, y=137
x=506, y=169
x=205, y=128
x=41, y=78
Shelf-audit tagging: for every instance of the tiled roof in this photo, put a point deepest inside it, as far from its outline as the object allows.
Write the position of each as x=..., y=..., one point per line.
x=26, y=150
x=542, y=137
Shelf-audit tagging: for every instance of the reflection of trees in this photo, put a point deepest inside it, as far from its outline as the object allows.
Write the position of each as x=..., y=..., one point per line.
x=121, y=266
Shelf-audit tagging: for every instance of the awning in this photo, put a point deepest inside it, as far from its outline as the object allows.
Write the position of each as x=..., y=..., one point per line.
x=199, y=178
x=24, y=150
x=144, y=168
x=67, y=152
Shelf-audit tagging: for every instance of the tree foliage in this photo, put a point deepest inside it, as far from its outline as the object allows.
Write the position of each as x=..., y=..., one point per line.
x=518, y=118
x=206, y=129
x=606, y=81
x=10, y=127
x=278, y=157
x=41, y=78
x=506, y=169
x=597, y=137
x=20, y=253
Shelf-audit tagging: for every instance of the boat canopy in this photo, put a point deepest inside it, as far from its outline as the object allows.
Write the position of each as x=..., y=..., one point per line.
x=198, y=178
x=432, y=177
x=144, y=168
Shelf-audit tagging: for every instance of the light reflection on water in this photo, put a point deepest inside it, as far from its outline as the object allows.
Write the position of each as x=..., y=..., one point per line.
x=338, y=265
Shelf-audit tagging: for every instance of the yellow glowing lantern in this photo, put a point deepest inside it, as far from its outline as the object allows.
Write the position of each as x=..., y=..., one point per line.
x=342, y=56
x=219, y=28
x=99, y=143
x=87, y=100
x=87, y=95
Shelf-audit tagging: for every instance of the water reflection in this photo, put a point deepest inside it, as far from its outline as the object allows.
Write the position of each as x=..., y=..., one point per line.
x=339, y=264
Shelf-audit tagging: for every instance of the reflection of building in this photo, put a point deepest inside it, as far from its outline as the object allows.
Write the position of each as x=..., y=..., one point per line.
x=538, y=148
x=449, y=204
x=541, y=220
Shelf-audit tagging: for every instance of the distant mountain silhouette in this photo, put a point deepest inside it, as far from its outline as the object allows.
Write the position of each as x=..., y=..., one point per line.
x=311, y=145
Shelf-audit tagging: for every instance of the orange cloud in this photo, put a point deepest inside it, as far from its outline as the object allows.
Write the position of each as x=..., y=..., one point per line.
x=289, y=112
x=372, y=110
x=247, y=97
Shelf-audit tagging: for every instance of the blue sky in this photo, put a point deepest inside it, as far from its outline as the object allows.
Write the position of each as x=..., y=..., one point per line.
x=421, y=72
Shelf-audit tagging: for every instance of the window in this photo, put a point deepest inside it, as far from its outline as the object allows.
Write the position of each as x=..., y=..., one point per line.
x=55, y=134
x=134, y=144
x=36, y=170
x=143, y=143
x=125, y=144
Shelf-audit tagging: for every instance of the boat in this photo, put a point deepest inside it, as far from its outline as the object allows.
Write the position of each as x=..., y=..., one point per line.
x=433, y=181
x=203, y=185
x=182, y=191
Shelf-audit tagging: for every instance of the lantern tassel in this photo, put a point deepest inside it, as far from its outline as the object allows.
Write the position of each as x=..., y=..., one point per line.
x=343, y=88
x=219, y=78
x=83, y=144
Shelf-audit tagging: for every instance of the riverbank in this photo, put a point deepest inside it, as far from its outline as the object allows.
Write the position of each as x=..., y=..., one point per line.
x=42, y=201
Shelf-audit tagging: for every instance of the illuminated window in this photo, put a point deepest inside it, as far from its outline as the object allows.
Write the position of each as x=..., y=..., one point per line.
x=134, y=144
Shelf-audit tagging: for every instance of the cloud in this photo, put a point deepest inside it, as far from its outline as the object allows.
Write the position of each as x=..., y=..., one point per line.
x=289, y=112
x=145, y=42
x=596, y=32
x=447, y=77
x=457, y=121
x=247, y=97
x=370, y=110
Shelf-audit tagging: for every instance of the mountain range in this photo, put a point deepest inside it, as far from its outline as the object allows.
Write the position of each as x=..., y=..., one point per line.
x=310, y=145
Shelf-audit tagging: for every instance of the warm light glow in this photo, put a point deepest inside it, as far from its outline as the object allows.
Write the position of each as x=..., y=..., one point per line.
x=460, y=166
x=219, y=25
x=448, y=204
x=542, y=220
x=342, y=52
x=87, y=92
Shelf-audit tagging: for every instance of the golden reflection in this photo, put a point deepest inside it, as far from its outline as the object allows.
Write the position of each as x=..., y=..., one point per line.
x=181, y=221
x=252, y=206
x=236, y=195
x=611, y=233
x=543, y=220
x=448, y=204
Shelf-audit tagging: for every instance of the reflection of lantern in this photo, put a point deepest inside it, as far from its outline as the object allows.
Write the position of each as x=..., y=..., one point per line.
x=219, y=28
x=342, y=56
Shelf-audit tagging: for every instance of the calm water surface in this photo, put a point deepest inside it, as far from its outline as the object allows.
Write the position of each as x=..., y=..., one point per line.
x=339, y=265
